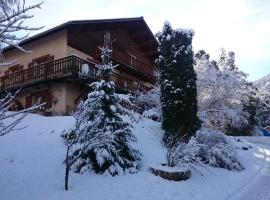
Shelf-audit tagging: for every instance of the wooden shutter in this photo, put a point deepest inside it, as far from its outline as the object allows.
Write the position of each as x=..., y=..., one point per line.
x=44, y=96
x=50, y=65
x=20, y=67
x=31, y=64
x=48, y=100
x=30, y=71
x=28, y=102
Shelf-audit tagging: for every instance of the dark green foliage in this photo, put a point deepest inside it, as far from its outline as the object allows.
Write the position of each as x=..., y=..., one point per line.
x=251, y=107
x=178, y=83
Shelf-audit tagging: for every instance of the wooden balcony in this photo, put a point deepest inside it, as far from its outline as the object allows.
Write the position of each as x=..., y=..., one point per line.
x=133, y=66
x=68, y=67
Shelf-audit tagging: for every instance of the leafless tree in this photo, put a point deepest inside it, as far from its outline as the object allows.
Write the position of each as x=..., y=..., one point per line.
x=13, y=14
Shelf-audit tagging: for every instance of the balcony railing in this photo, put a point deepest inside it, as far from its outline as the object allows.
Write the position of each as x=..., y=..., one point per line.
x=133, y=64
x=70, y=66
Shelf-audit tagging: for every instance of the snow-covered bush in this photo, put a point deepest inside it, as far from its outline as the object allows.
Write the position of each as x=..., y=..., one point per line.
x=182, y=154
x=217, y=149
x=150, y=98
x=208, y=146
x=150, y=101
x=153, y=113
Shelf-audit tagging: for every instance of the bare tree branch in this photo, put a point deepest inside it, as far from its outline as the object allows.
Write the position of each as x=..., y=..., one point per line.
x=13, y=14
x=9, y=120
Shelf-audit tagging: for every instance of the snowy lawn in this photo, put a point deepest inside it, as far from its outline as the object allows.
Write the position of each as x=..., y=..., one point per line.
x=31, y=168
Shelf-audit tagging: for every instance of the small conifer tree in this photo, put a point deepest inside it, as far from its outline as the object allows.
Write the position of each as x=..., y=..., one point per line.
x=103, y=137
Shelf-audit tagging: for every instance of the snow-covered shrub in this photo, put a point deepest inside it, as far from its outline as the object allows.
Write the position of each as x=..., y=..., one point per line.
x=150, y=103
x=183, y=154
x=153, y=113
x=208, y=146
x=217, y=149
x=150, y=98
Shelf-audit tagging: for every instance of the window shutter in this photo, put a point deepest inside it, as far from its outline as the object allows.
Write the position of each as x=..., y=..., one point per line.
x=20, y=67
x=28, y=102
x=50, y=65
x=48, y=100
x=31, y=64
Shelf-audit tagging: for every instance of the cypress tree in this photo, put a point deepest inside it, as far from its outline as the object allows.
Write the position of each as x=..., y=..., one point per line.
x=178, y=83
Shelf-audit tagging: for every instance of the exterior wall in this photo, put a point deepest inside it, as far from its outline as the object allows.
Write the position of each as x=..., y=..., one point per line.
x=59, y=93
x=73, y=93
x=55, y=44
x=65, y=95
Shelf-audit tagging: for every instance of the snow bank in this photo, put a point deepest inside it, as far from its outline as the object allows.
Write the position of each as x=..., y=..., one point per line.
x=31, y=168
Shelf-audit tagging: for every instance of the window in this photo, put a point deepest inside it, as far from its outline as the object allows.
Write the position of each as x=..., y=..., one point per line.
x=41, y=60
x=43, y=96
x=133, y=60
x=13, y=69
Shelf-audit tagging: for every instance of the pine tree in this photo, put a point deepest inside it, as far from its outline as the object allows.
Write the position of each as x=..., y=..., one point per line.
x=104, y=139
x=178, y=83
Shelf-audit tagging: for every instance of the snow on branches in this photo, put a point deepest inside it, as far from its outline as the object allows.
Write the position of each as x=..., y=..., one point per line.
x=9, y=120
x=177, y=82
x=225, y=97
x=103, y=141
x=13, y=14
x=209, y=147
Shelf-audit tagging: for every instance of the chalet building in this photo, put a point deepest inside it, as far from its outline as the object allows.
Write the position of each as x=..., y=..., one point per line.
x=52, y=71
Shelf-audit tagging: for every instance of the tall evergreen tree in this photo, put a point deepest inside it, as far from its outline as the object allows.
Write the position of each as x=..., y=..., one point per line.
x=99, y=122
x=177, y=82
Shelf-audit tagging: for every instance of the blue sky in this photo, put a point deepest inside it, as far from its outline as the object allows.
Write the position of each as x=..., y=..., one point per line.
x=242, y=26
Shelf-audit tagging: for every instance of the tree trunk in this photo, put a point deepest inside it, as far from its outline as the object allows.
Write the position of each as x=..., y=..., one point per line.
x=67, y=169
x=66, y=177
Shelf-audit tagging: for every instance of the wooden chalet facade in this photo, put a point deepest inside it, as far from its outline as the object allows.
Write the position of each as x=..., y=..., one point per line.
x=52, y=71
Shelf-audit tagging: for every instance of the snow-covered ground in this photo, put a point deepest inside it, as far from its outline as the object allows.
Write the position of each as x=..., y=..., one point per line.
x=31, y=168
